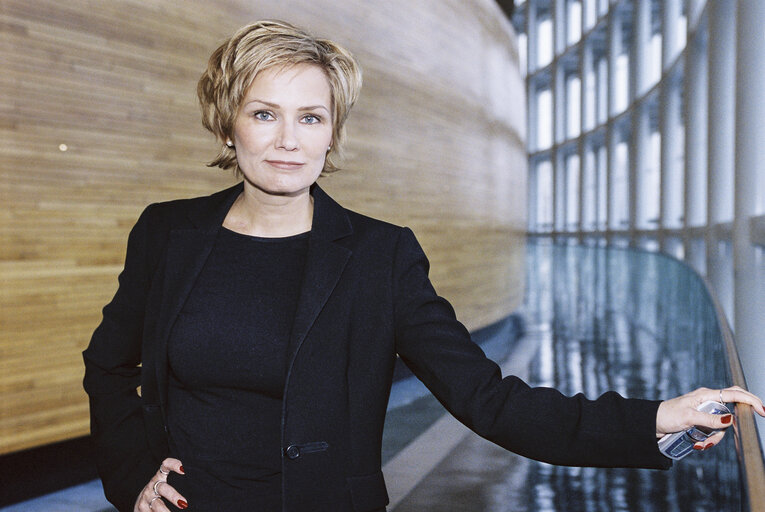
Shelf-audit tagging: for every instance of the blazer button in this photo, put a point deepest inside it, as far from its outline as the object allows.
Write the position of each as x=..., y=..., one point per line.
x=293, y=452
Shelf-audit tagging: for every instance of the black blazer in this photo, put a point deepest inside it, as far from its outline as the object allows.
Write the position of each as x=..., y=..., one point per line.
x=365, y=297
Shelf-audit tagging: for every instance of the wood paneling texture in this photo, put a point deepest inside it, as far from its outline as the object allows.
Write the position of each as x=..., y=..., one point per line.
x=435, y=143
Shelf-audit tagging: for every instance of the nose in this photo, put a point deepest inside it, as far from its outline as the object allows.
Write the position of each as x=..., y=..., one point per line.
x=287, y=137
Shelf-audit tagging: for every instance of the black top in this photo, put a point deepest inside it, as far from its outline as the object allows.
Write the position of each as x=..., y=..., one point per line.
x=365, y=297
x=227, y=358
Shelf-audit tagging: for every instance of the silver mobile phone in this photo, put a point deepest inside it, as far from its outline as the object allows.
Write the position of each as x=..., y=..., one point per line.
x=679, y=444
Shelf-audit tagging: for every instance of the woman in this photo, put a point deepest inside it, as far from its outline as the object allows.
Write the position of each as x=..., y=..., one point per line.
x=262, y=323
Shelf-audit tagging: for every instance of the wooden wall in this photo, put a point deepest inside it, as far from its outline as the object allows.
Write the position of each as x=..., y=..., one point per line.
x=98, y=117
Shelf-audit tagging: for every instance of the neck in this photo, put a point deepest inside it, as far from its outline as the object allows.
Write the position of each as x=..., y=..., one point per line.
x=258, y=213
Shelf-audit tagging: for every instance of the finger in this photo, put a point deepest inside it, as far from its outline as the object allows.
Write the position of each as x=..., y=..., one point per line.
x=714, y=421
x=739, y=395
x=715, y=439
x=171, y=464
x=732, y=393
x=147, y=503
x=159, y=488
x=168, y=492
x=155, y=504
x=712, y=441
x=143, y=500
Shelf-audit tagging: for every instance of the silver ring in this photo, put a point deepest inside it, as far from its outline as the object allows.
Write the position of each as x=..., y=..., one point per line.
x=721, y=400
x=151, y=503
x=156, y=484
x=163, y=472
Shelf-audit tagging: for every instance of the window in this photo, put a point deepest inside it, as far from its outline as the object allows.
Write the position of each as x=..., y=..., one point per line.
x=602, y=170
x=589, y=197
x=544, y=119
x=544, y=213
x=573, y=105
x=573, y=21
x=596, y=129
x=620, y=212
x=544, y=41
x=572, y=192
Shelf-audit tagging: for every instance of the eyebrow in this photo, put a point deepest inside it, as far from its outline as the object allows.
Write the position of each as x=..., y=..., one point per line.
x=274, y=105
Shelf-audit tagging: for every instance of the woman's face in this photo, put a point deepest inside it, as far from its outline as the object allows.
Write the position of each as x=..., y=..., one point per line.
x=284, y=128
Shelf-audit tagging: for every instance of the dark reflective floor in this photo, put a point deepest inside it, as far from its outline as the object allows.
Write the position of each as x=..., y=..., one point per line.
x=606, y=319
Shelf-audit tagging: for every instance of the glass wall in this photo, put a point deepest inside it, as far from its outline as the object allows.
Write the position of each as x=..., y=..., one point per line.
x=646, y=120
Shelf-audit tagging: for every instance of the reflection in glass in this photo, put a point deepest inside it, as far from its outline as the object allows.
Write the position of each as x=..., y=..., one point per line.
x=641, y=324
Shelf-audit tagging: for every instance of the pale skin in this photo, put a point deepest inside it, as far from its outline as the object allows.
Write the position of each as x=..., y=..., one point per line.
x=282, y=134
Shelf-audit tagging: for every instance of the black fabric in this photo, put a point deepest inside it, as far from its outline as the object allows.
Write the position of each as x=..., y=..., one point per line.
x=227, y=354
x=368, y=489
x=365, y=296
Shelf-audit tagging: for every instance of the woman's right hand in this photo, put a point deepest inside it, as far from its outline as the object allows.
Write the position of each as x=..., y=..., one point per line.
x=150, y=499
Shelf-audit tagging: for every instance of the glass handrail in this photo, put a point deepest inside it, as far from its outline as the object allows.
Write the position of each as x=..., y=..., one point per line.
x=644, y=324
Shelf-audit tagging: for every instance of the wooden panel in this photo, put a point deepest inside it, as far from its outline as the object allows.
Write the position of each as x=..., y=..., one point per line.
x=98, y=117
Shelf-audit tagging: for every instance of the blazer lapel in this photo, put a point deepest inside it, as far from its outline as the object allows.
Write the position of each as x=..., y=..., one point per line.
x=189, y=248
x=187, y=252
x=325, y=263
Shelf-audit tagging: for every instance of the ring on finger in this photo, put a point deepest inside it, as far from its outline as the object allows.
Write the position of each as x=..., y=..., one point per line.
x=161, y=470
x=156, y=485
x=151, y=503
x=721, y=400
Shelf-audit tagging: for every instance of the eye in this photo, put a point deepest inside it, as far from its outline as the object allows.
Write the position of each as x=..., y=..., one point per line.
x=311, y=119
x=263, y=115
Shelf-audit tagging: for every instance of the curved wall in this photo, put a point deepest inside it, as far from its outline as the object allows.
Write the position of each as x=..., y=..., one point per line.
x=98, y=118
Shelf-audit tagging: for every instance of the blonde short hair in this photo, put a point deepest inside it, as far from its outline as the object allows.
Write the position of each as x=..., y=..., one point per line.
x=263, y=45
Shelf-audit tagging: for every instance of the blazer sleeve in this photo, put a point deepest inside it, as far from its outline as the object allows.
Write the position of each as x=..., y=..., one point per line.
x=112, y=376
x=539, y=423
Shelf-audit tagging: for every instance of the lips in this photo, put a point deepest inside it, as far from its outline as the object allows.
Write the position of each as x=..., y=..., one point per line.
x=285, y=164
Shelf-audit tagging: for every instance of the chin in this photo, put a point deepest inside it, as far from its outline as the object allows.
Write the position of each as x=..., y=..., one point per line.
x=281, y=183
x=282, y=189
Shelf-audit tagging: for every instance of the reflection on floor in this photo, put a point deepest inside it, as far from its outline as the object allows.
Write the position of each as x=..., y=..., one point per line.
x=597, y=320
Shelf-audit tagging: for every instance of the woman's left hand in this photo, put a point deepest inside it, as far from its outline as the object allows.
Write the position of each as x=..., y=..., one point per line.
x=680, y=413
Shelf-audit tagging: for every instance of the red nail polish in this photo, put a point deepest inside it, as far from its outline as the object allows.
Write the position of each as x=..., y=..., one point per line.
x=182, y=504
x=707, y=447
x=697, y=447
x=183, y=470
x=726, y=419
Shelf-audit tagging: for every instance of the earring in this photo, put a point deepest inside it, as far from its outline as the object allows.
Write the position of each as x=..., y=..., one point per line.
x=329, y=148
x=229, y=144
